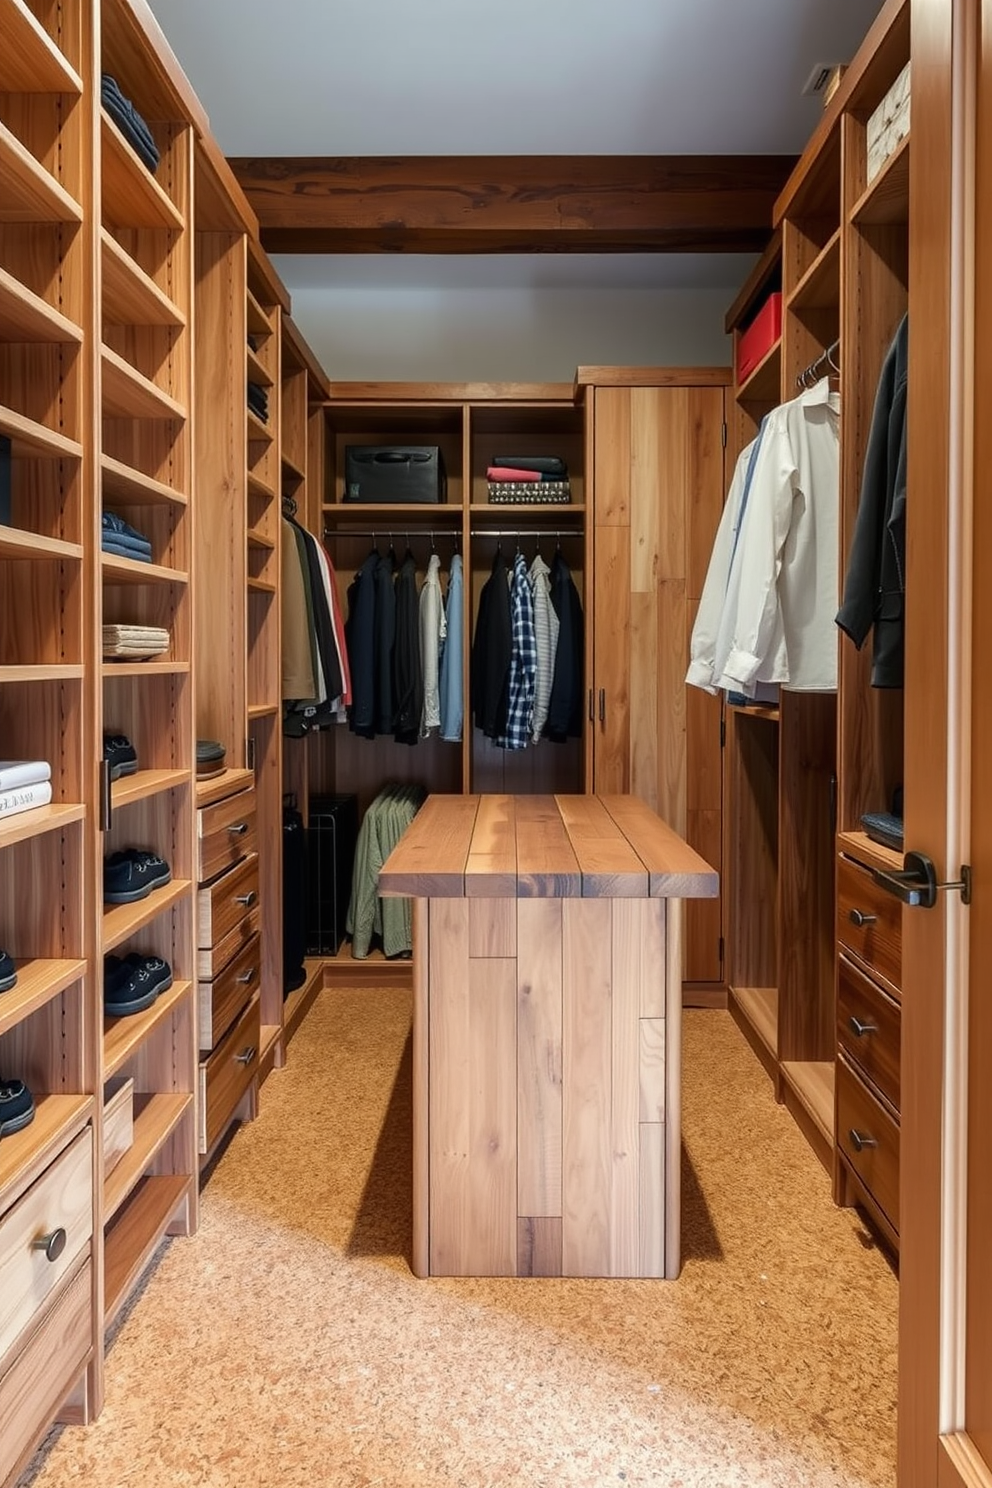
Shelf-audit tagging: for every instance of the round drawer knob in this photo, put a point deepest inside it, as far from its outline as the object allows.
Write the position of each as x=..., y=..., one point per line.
x=857, y=917
x=859, y=1029
x=53, y=1244
x=861, y=1140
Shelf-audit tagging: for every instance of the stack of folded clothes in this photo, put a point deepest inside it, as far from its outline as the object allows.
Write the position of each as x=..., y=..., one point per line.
x=130, y=123
x=132, y=984
x=134, y=642
x=124, y=541
x=534, y=479
x=24, y=784
x=258, y=401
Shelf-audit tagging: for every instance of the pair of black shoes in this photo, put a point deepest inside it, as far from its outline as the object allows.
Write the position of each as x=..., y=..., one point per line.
x=132, y=874
x=8, y=976
x=120, y=754
x=132, y=984
x=16, y=1107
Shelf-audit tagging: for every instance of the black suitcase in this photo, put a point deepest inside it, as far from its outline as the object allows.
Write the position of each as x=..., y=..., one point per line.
x=394, y=473
x=294, y=897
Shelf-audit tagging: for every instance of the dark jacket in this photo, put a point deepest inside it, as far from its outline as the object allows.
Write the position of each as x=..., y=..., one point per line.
x=359, y=637
x=565, y=706
x=408, y=677
x=384, y=639
x=875, y=587
x=492, y=651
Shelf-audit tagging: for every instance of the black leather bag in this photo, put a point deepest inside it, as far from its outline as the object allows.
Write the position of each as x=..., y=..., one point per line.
x=394, y=473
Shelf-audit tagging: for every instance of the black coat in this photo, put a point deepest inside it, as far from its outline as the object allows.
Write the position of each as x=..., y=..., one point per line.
x=384, y=639
x=408, y=677
x=492, y=651
x=565, y=706
x=359, y=637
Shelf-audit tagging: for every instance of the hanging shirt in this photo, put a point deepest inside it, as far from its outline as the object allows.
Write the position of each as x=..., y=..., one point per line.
x=384, y=640
x=433, y=629
x=565, y=707
x=523, y=660
x=452, y=705
x=297, y=662
x=408, y=681
x=360, y=634
x=492, y=652
x=702, y=647
x=546, y=637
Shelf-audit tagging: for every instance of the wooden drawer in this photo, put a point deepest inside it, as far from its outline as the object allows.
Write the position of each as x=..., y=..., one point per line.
x=227, y=1074
x=869, y=1140
x=61, y=1199
x=44, y=1370
x=211, y=961
x=225, y=834
x=221, y=1000
x=878, y=942
x=222, y=905
x=868, y=1028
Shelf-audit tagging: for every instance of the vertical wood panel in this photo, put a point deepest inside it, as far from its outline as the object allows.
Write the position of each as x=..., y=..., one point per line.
x=652, y=1199
x=651, y=1075
x=654, y=485
x=492, y=927
x=421, y=1088
x=671, y=717
x=450, y=1055
x=704, y=917
x=707, y=481
x=646, y=742
x=539, y=1057
x=587, y=1094
x=664, y=411
x=627, y=970
x=611, y=642
x=539, y=1246
x=612, y=456
x=672, y=1207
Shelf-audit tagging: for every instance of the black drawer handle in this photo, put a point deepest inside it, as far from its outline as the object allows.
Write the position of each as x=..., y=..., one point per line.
x=861, y=1140
x=238, y=829
x=246, y=1056
x=602, y=705
x=245, y=899
x=53, y=1244
x=859, y=1029
x=246, y=976
x=859, y=918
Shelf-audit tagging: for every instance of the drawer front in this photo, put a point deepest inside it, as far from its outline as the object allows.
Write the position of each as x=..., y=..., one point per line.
x=61, y=1199
x=221, y=1001
x=868, y=1028
x=869, y=1140
x=211, y=961
x=226, y=834
x=869, y=921
x=221, y=906
x=227, y=1074
x=45, y=1369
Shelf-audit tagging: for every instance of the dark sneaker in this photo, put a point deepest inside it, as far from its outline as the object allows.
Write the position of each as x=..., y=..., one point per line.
x=132, y=985
x=16, y=1107
x=8, y=976
x=121, y=755
x=132, y=874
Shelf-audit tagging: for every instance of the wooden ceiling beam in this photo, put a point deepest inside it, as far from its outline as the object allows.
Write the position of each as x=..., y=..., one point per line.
x=514, y=204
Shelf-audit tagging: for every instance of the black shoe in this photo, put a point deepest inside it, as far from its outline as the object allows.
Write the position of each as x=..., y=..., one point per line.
x=16, y=1107
x=132, y=985
x=132, y=874
x=121, y=755
x=8, y=976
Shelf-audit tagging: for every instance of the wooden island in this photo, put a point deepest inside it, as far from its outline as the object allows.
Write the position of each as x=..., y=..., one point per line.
x=546, y=1033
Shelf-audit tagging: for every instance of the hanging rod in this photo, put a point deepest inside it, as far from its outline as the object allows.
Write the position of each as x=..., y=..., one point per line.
x=824, y=357
x=517, y=533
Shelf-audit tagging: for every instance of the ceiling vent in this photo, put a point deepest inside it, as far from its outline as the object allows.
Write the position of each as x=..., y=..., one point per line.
x=819, y=78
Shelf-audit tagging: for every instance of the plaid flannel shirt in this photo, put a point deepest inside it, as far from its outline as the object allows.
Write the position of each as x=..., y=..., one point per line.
x=523, y=662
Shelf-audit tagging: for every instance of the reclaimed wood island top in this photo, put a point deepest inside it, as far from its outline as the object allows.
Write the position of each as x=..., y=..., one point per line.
x=527, y=847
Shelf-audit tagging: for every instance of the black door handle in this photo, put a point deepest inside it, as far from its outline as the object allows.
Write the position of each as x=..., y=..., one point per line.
x=916, y=885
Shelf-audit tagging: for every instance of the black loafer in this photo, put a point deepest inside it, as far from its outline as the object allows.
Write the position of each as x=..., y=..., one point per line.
x=16, y=1107
x=132, y=874
x=132, y=985
x=120, y=754
x=8, y=976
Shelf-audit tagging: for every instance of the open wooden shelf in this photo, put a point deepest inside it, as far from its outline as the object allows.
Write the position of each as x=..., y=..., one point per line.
x=258, y=539
x=25, y=316
x=760, y=1007
x=122, y=483
x=128, y=393
x=298, y=1003
x=209, y=791
x=31, y=61
x=145, y=668
x=121, y=921
x=130, y=296
x=262, y=710
x=819, y=288
x=38, y=981
x=155, y=1119
x=886, y=200
x=874, y=854
x=766, y=711
x=15, y=543
x=27, y=1152
x=28, y=192
x=122, y=1037
x=145, y=783
x=261, y=586
x=30, y=440
x=763, y=385
x=134, y=1233
x=258, y=432
x=39, y=820
x=813, y=1082
x=259, y=487
x=540, y=515
x=257, y=372
x=344, y=969
x=258, y=322
x=292, y=468
x=46, y=672
x=117, y=570
x=131, y=195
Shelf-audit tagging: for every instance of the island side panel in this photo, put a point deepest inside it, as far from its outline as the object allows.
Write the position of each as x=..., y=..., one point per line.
x=627, y=923
x=421, y=1087
x=539, y=1062
x=673, y=1076
x=587, y=1085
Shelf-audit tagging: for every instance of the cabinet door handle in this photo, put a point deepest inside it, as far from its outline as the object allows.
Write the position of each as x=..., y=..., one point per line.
x=591, y=711
x=859, y=1029
x=861, y=1140
x=246, y=976
x=859, y=918
x=245, y=899
x=53, y=1244
x=602, y=705
x=246, y=1056
x=238, y=829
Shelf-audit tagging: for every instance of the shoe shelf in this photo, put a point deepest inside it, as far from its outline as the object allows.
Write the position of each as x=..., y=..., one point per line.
x=25, y=316
x=57, y=1118
x=143, y=669
x=30, y=440
x=258, y=432
x=126, y=485
x=120, y=921
x=257, y=371
x=118, y=570
x=131, y=195
x=31, y=61
x=145, y=783
x=123, y=1037
x=28, y=192
x=134, y=1233
x=223, y=785
x=16, y=543
x=38, y=981
x=128, y=393
x=155, y=1119
x=130, y=296
x=41, y=819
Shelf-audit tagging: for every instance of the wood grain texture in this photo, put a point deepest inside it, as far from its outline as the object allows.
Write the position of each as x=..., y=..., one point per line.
x=539, y=1058
x=610, y=867
x=431, y=857
x=639, y=954
x=644, y=691
x=421, y=1256
x=611, y=477
x=492, y=927
x=539, y=1246
x=674, y=869
x=652, y=1200
x=877, y=944
x=627, y=968
x=672, y=1208
x=587, y=1161
x=868, y=1028
x=611, y=641
x=546, y=861
x=491, y=867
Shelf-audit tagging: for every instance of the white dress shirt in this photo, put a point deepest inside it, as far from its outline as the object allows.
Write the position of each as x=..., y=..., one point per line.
x=702, y=647
x=433, y=629
x=546, y=626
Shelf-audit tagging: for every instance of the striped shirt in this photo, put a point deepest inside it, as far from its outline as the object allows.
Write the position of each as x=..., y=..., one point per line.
x=523, y=661
x=546, y=635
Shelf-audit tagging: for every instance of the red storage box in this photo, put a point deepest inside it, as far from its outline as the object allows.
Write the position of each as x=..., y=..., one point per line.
x=759, y=338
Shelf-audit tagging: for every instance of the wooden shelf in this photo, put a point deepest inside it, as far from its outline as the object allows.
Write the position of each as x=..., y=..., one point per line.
x=757, y=710
x=38, y=821
x=873, y=854
x=886, y=200
x=365, y=514
x=819, y=288
x=344, y=969
x=121, y=921
x=145, y=668
x=122, y=1037
x=258, y=539
x=134, y=1234
x=262, y=710
x=258, y=322
x=813, y=1082
x=763, y=385
x=38, y=981
x=256, y=371
x=261, y=586
x=538, y=514
x=25, y=316
x=53, y=672
x=209, y=791
x=145, y=783
x=298, y=1003
x=27, y=1152
x=30, y=440
x=28, y=192
x=258, y=432
x=117, y=570
x=259, y=487
x=130, y=296
x=130, y=487
x=31, y=61
x=760, y=1007
x=131, y=195
x=291, y=468
x=128, y=393
x=156, y=1118
x=15, y=543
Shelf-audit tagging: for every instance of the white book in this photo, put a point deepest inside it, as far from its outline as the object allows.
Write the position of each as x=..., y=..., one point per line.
x=26, y=798
x=14, y=773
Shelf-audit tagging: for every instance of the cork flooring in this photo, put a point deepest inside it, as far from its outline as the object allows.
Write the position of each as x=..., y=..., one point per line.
x=289, y=1344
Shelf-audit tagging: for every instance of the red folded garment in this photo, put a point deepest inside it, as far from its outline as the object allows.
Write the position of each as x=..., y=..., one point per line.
x=510, y=473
